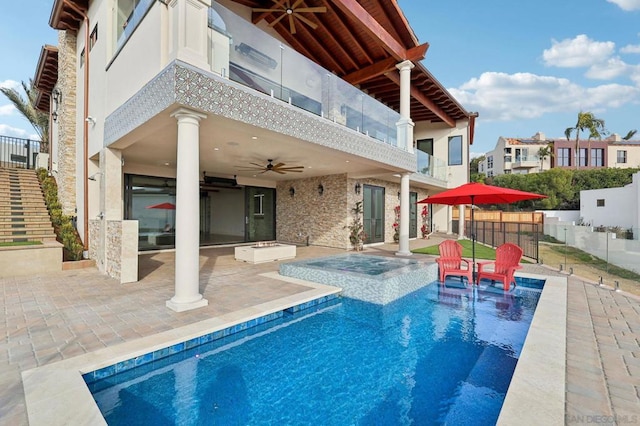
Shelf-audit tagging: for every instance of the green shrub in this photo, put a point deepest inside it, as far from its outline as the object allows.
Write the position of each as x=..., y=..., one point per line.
x=66, y=233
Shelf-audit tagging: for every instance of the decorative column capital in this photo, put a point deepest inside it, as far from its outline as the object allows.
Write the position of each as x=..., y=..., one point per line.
x=405, y=65
x=186, y=113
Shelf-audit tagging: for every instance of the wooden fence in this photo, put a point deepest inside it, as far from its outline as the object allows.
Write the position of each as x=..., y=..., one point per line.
x=498, y=216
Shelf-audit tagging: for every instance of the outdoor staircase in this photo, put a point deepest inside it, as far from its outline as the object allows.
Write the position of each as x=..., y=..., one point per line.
x=23, y=213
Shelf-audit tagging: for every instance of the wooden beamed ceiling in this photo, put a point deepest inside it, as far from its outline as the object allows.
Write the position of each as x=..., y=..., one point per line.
x=362, y=41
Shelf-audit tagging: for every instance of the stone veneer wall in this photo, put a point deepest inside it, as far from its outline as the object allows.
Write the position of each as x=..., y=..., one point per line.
x=322, y=218
x=66, y=176
x=95, y=230
x=114, y=249
x=325, y=218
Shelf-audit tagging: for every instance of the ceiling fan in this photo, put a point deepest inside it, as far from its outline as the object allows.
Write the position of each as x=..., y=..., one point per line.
x=285, y=8
x=270, y=167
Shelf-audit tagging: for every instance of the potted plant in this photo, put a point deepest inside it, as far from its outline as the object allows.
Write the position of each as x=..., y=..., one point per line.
x=424, y=229
x=357, y=236
x=396, y=224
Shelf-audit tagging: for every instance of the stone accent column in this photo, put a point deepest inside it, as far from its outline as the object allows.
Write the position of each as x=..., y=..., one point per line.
x=403, y=249
x=405, y=124
x=187, y=287
x=64, y=163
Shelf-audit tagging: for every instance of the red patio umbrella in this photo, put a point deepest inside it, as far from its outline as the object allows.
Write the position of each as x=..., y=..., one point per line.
x=478, y=193
x=163, y=206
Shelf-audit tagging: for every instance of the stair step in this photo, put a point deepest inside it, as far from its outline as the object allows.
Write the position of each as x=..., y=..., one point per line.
x=43, y=238
x=25, y=231
x=4, y=225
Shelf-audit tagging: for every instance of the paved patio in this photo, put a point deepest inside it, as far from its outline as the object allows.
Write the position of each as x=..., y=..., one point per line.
x=59, y=316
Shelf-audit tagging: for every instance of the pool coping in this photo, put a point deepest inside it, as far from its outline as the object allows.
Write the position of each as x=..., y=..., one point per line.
x=56, y=394
x=536, y=394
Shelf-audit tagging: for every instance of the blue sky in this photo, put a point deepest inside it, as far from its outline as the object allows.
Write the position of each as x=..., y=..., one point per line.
x=524, y=66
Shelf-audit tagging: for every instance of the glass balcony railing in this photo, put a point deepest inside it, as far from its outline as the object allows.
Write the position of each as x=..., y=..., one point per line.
x=248, y=55
x=428, y=165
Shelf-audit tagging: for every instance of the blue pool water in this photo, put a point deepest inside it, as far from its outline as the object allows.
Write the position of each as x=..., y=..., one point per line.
x=436, y=356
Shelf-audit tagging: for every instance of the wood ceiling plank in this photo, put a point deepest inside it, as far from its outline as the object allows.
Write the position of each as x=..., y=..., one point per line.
x=419, y=96
x=353, y=9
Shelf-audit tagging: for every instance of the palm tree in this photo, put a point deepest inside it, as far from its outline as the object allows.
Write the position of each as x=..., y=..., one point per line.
x=630, y=134
x=38, y=119
x=587, y=121
x=543, y=153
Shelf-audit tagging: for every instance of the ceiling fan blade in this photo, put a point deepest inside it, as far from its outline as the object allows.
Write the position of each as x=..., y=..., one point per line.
x=296, y=4
x=292, y=169
x=280, y=172
x=306, y=21
x=261, y=166
x=265, y=10
x=276, y=166
x=292, y=24
x=278, y=19
x=319, y=9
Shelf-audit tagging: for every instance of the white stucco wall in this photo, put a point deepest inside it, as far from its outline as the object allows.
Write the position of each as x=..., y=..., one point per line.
x=561, y=215
x=620, y=205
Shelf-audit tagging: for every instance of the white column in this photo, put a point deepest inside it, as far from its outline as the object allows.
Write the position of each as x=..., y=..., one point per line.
x=403, y=249
x=405, y=124
x=187, y=288
x=461, y=210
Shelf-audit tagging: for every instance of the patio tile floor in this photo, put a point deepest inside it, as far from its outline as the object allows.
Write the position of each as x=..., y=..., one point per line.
x=47, y=318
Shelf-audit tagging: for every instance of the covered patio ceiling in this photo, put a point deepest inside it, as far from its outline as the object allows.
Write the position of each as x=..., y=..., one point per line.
x=361, y=41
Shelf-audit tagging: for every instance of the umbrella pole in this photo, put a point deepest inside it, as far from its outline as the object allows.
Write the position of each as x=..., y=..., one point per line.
x=473, y=244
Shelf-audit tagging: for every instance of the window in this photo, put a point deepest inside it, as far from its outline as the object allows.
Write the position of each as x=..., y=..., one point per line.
x=425, y=145
x=82, y=58
x=564, y=156
x=521, y=154
x=490, y=162
x=128, y=14
x=600, y=203
x=507, y=158
x=93, y=38
x=582, y=161
x=597, y=157
x=455, y=150
x=621, y=157
x=258, y=209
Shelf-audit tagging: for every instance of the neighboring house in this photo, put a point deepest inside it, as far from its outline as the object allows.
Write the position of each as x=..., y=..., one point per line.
x=513, y=155
x=517, y=156
x=225, y=125
x=613, y=207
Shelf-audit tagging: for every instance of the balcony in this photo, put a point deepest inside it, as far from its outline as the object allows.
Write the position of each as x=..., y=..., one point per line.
x=247, y=55
x=525, y=162
x=432, y=167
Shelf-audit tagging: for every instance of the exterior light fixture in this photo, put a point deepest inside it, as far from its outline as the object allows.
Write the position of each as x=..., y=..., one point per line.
x=57, y=96
x=54, y=116
x=320, y=189
x=357, y=188
x=292, y=191
x=398, y=195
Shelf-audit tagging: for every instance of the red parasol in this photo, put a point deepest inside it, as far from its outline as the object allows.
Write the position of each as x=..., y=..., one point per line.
x=163, y=206
x=478, y=193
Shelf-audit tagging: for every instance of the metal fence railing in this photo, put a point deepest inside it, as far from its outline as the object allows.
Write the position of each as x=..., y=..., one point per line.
x=494, y=234
x=18, y=153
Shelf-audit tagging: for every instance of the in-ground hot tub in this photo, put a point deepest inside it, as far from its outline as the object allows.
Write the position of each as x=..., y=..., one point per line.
x=375, y=279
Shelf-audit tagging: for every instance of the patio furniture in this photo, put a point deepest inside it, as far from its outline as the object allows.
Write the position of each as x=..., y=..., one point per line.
x=507, y=262
x=450, y=261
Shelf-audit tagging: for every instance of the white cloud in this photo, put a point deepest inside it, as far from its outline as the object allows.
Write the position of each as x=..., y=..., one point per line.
x=7, y=109
x=580, y=51
x=6, y=130
x=631, y=48
x=10, y=84
x=627, y=5
x=608, y=70
x=506, y=97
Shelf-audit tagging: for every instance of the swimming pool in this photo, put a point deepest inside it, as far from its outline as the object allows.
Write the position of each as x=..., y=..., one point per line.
x=437, y=355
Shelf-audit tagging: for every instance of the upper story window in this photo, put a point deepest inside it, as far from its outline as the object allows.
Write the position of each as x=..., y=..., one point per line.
x=582, y=161
x=490, y=162
x=425, y=145
x=621, y=157
x=128, y=14
x=597, y=157
x=93, y=38
x=564, y=156
x=455, y=150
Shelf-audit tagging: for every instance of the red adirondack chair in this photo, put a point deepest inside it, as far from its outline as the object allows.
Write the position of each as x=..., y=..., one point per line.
x=450, y=261
x=506, y=264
